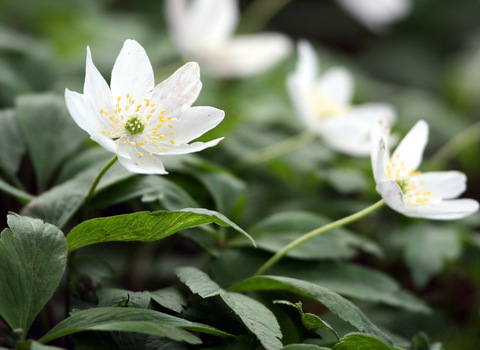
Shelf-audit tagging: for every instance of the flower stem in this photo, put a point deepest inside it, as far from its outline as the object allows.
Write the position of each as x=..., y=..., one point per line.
x=102, y=172
x=346, y=220
x=274, y=151
x=257, y=15
x=453, y=147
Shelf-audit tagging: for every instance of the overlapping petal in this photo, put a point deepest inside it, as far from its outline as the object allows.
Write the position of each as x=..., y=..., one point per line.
x=428, y=195
x=336, y=84
x=137, y=123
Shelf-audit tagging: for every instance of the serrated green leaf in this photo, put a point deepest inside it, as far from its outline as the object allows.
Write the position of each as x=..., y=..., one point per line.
x=51, y=134
x=278, y=230
x=33, y=256
x=131, y=320
x=256, y=317
x=361, y=341
x=11, y=141
x=171, y=298
x=143, y=226
x=338, y=305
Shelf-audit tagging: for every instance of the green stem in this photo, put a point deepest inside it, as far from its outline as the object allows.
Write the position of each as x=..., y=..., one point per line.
x=453, y=147
x=347, y=220
x=259, y=13
x=274, y=151
x=102, y=172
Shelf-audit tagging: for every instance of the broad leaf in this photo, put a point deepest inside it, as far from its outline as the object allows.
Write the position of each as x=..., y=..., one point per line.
x=120, y=297
x=361, y=341
x=338, y=305
x=34, y=345
x=21, y=195
x=51, y=134
x=11, y=139
x=256, y=317
x=138, y=341
x=33, y=257
x=171, y=298
x=143, y=226
x=131, y=320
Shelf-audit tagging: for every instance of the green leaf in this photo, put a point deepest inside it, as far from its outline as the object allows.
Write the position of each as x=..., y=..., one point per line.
x=354, y=281
x=171, y=298
x=427, y=247
x=361, y=341
x=34, y=345
x=33, y=257
x=50, y=132
x=22, y=196
x=278, y=230
x=256, y=317
x=126, y=319
x=11, y=139
x=143, y=226
x=120, y=297
x=93, y=340
x=311, y=322
x=338, y=305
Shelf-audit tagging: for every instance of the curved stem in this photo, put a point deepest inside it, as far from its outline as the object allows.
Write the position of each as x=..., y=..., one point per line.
x=274, y=151
x=257, y=15
x=346, y=220
x=453, y=147
x=102, y=172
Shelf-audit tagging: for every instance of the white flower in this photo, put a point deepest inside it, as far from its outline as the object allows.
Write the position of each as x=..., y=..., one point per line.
x=376, y=15
x=324, y=104
x=410, y=192
x=203, y=31
x=137, y=120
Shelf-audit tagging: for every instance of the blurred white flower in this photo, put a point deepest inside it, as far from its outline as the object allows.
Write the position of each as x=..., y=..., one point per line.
x=137, y=120
x=324, y=104
x=410, y=192
x=376, y=15
x=203, y=31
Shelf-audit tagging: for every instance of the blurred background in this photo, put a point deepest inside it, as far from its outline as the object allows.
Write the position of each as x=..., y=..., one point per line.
x=427, y=65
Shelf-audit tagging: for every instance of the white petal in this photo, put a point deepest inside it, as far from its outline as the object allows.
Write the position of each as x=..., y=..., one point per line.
x=196, y=121
x=81, y=110
x=142, y=165
x=105, y=142
x=191, y=148
x=132, y=72
x=377, y=14
x=96, y=88
x=247, y=55
x=444, y=210
x=336, y=85
x=412, y=146
x=444, y=184
x=350, y=134
x=208, y=25
x=392, y=195
x=178, y=92
x=301, y=82
x=379, y=148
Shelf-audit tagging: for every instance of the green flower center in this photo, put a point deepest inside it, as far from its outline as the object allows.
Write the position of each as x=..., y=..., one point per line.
x=403, y=184
x=136, y=124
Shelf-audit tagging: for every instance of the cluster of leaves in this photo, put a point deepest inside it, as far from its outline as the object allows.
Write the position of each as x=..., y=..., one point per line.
x=335, y=292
